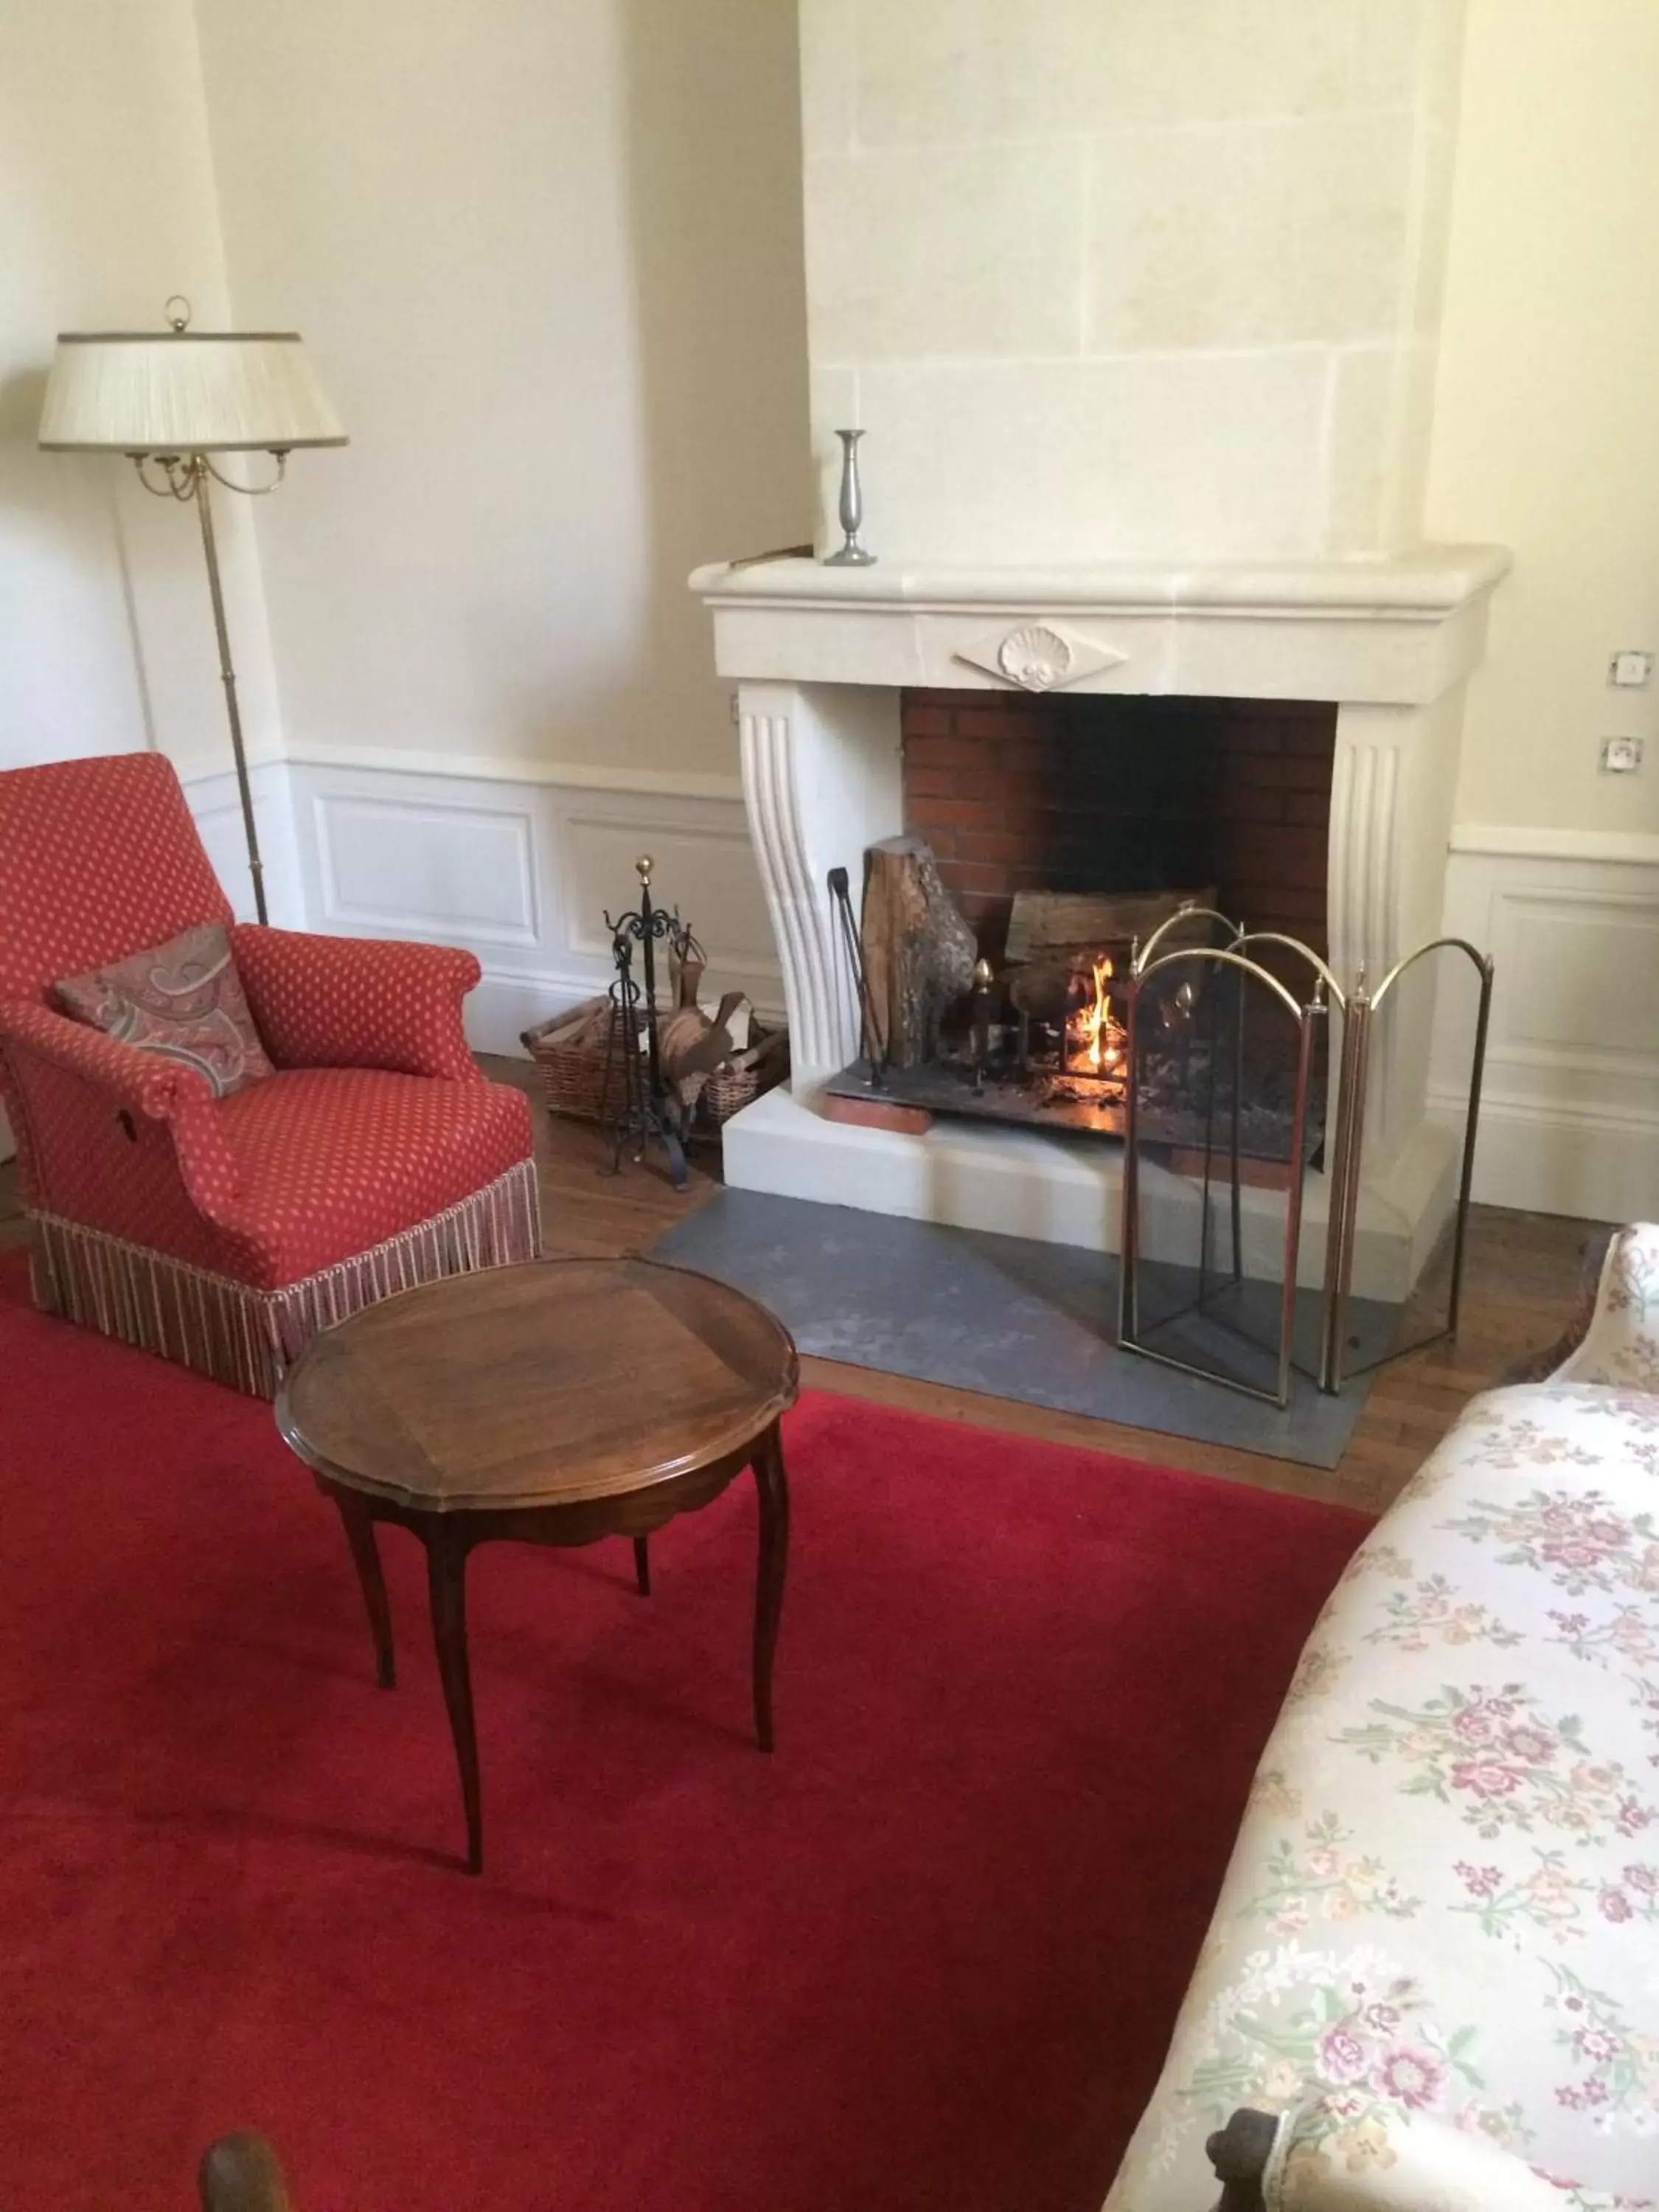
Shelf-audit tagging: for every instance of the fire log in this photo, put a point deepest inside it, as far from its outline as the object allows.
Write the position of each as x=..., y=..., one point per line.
x=918, y=953
x=1067, y=925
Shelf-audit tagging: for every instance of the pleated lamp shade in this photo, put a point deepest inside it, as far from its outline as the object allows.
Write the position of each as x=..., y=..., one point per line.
x=184, y=391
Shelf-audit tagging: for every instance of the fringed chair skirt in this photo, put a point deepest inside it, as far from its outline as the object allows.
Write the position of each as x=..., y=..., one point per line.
x=246, y=1337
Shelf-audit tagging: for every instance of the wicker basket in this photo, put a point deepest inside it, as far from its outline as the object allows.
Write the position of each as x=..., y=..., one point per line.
x=577, y=1054
x=760, y=1067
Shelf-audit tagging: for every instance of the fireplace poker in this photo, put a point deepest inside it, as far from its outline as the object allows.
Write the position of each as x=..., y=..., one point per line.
x=870, y=1049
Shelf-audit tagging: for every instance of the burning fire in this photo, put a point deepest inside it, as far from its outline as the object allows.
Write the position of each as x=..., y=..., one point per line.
x=1091, y=1033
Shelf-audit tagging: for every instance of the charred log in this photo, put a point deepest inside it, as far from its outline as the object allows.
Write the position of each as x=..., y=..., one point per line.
x=918, y=953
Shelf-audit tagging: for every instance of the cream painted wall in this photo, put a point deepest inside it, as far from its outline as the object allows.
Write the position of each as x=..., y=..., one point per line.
x=107, y=189
x=548, y=253
x=1109, y=279
x=1546, y=433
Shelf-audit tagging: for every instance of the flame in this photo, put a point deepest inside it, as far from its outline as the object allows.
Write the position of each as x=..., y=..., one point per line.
x=1093, y=1028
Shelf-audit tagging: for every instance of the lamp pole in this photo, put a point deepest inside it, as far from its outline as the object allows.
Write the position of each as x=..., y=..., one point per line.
x=227, y=678
x=185, y=478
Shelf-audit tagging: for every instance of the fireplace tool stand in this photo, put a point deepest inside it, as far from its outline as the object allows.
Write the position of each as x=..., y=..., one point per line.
x=1191, y=976
x=650, y=1109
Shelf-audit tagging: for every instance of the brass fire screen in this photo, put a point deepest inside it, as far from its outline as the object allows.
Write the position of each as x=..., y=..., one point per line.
x=1254, y=1014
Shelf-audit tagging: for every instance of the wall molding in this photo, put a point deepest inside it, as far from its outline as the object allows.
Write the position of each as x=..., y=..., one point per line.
x=1570, y=1121
x=518, y=860
x=1585, y=1164
x=515, y=860
x=521, y=871
x=1617, y=847
x=207, y=768
x=505, y=768
x=1569, y=1116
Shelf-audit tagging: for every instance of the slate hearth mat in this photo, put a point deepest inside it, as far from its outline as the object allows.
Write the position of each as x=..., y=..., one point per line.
x=1009, y=1316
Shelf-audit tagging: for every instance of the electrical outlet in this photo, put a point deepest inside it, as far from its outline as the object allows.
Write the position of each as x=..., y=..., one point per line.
x=1620, y=755
x=1631, y=672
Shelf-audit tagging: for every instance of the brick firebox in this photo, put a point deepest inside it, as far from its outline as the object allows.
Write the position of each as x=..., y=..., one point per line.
x=1124, y=793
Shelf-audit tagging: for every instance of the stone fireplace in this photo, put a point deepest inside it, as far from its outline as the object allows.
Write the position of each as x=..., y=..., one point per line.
x=1138, y=313
x=824, y=659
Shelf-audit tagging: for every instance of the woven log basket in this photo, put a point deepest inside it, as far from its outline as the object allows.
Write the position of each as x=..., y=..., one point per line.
x=582, y=1073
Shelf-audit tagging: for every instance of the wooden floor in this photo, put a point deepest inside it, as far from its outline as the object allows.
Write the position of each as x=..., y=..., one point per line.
x=1522, y=1275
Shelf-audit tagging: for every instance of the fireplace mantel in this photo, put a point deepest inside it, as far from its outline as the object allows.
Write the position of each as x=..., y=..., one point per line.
x=1399, y=631
x=821, y=657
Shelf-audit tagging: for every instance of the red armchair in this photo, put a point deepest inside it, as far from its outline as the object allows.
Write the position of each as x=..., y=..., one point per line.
x=222, y=1232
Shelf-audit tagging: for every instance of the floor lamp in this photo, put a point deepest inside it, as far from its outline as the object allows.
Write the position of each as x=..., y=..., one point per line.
x=170, y=401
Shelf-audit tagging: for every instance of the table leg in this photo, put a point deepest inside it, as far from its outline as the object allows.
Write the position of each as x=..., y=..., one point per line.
x=446, y=1570
x=359, y=1523
x=772, y=1489
x=642, y=1564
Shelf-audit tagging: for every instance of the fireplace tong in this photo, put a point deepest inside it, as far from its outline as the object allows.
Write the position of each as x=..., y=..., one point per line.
x=873, y=1049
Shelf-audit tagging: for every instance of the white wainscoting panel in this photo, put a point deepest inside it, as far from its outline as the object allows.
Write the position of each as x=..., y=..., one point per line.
x=1569, y=1116
x=521, y=874
x=396, y=864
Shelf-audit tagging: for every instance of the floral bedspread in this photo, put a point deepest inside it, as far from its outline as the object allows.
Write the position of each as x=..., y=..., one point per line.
x=1445, y=1898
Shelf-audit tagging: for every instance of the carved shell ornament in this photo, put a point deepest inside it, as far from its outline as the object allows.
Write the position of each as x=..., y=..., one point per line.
x=1036, y=657
x=1040, y=655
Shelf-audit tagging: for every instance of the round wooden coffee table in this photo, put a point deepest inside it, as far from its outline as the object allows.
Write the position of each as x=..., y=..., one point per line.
x=553, y=1403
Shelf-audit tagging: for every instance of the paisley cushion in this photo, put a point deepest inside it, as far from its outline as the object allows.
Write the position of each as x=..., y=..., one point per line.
x=182, y=1000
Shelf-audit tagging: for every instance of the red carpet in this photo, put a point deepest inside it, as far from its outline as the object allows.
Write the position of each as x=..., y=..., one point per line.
x=926, y=1957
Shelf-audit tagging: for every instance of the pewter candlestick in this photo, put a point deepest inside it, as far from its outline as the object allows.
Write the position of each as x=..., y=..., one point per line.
x=851, y=554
